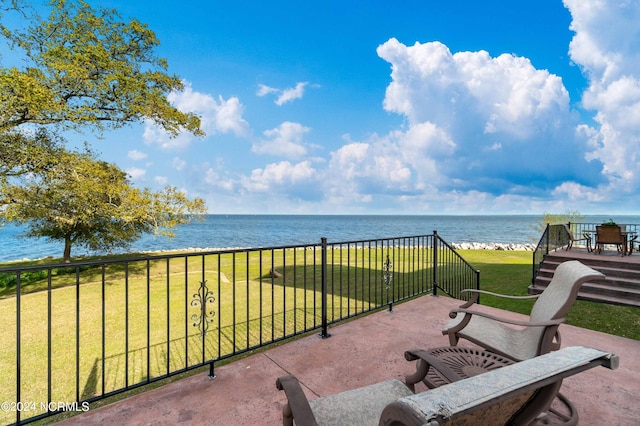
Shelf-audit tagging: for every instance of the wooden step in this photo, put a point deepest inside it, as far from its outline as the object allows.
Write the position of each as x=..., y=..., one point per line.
x=607, y=287
x=612, y=300
x=620, y=287
x=611, y=280
x=589, y=289
x=604, y=296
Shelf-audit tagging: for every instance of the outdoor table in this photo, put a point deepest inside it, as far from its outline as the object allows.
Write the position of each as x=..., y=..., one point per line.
x=460, y=363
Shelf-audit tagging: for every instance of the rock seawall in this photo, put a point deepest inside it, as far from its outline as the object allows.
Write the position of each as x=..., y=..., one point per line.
x=493, y=246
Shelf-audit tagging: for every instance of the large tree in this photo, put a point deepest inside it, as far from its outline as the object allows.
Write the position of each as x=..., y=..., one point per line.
x=83, y=201
x=22, y=153
x=86, y=68
x=82, y=68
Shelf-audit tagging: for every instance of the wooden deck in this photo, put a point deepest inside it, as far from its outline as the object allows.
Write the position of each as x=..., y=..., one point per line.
x=622, y=283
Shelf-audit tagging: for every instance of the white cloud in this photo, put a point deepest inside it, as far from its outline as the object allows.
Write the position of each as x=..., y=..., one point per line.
x=283, y=95
x=137, y=155
x=179, y=164
x=606, y=37
x=479, y=130
x=280, y=176
x=264, y=90
x=482, y=133
x=214, y=179
x=348, y=159
x=136, y=173
x=402, y=164
x=478, y=122
x=285, y=140
x=505, y=94
x=494, y=133
x=606, y=46
x=227, y=117
x=426, y=148
x=161, y=180
x=576, y=193
x=221, y=116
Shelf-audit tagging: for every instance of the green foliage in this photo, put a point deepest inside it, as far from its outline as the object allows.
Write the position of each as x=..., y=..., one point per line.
x=36, y=280
x=572, y=216
x=9, y=281
x=86, y=67
x=27, y=153
x=610, y=222
x=87, y=202
x=83, y=68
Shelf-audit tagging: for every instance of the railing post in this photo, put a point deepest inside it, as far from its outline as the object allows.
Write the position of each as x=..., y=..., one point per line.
x=323, y=277
x=18, y=345
x=434, y=291
x=543, y=246
x=387, y=278
x=548, y=238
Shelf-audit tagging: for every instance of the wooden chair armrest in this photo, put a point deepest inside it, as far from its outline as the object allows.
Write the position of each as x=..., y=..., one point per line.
x=297, y=401
x=454, y=313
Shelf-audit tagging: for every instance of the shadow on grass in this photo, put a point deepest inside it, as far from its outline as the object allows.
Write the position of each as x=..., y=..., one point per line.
x=32, y=281
x=366, y=285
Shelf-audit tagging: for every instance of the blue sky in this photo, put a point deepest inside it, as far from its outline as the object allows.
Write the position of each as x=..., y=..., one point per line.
x=380, y=107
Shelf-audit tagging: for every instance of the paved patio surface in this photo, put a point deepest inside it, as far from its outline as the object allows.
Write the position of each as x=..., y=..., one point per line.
x=358, y=353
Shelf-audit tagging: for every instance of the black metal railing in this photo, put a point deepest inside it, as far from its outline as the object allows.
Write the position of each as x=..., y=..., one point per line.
x=556, y=236
x=75, y=333
x=452, y=273
x=553, y=237
x=589, y=228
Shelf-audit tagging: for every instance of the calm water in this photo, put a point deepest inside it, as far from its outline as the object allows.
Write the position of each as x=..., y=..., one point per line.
x=225, y=231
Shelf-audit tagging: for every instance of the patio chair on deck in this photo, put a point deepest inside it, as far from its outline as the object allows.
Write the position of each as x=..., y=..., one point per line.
x=515, y=394
x=536, y=336
x=572, y=239
x=610, y=234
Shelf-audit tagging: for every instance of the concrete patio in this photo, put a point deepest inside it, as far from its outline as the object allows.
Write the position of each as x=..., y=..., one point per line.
x=358, y=353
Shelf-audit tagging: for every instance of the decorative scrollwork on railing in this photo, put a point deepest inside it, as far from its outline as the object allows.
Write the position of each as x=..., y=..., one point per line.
x=387, y=272
x=200, y=300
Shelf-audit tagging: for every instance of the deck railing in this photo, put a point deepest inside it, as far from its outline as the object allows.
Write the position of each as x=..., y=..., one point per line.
x=553, y=237
x=556, y=236
x=75, y=333
x=579, y=229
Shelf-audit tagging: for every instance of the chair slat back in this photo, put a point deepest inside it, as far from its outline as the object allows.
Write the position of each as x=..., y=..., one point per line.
x=609, y=235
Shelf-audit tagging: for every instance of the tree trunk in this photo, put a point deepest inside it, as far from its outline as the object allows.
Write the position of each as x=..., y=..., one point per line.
x=67, y=249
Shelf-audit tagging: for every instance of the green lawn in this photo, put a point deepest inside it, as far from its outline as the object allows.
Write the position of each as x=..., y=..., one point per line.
x=143, y=320
x=159, y=342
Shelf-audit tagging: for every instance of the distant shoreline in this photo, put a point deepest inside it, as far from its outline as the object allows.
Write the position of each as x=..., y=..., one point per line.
x=219, y=232
x=456, y=246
